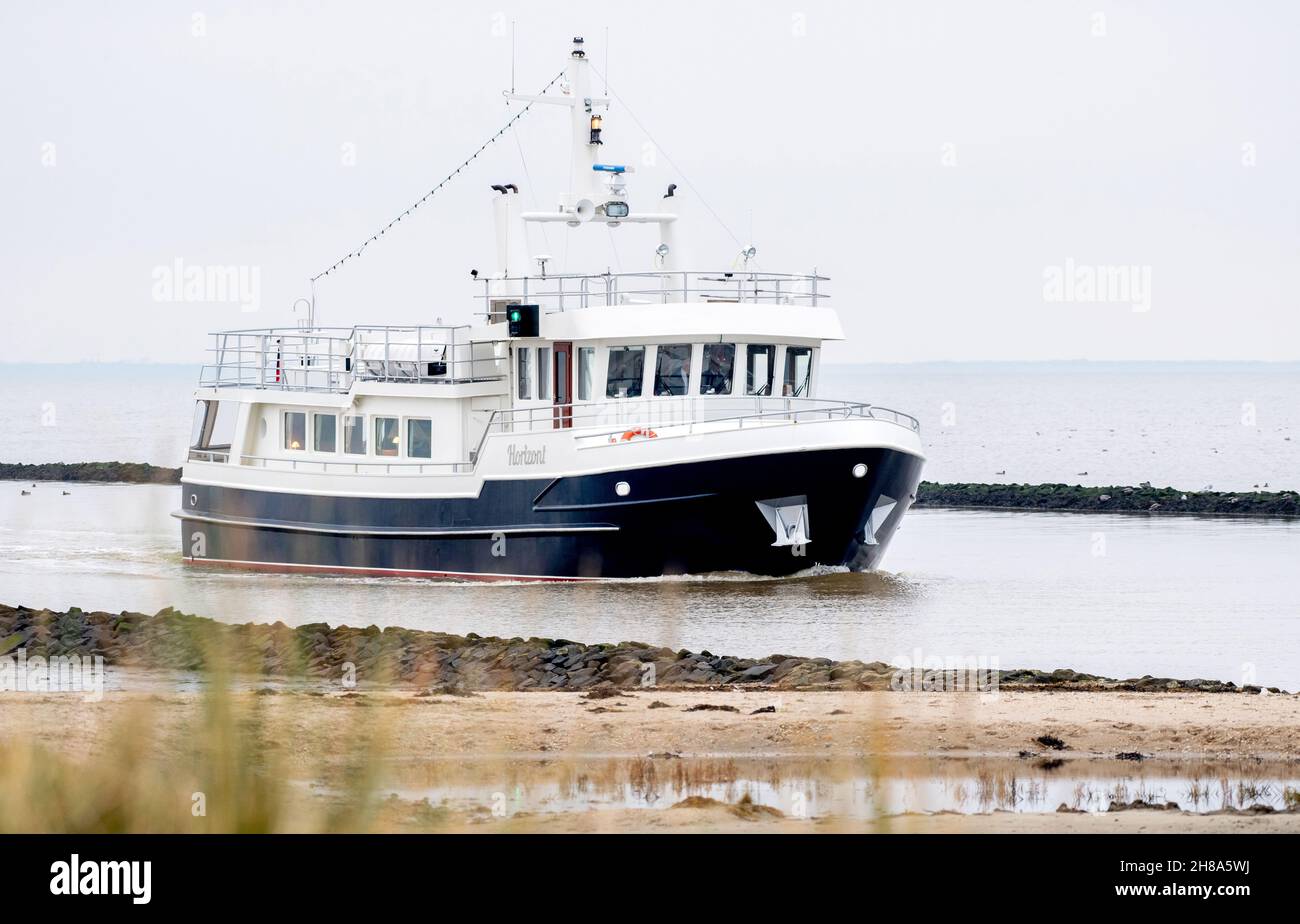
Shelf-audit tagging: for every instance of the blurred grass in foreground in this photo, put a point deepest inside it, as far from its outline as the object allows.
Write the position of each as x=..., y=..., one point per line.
x=224, y=767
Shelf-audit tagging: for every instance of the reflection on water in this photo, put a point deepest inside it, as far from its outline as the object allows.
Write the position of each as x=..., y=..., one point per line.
x=846, y=789
x=1110, y=594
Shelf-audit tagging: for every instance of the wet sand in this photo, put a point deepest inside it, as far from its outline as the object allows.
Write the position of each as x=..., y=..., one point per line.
x=879, y=731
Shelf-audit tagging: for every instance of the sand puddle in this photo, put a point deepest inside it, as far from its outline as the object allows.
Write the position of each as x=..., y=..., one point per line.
x=840, y=788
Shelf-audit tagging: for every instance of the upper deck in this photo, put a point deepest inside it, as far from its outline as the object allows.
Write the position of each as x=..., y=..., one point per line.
x=333, y=359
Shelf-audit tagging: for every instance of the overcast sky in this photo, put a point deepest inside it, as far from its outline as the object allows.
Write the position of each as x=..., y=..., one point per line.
x=940, y=161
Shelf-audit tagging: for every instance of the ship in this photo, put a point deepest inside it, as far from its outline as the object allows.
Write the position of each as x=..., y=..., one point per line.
x=578, y=426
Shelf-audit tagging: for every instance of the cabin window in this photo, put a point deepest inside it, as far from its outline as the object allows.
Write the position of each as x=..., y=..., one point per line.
x=214, y=424
x=387, y=439
x=673, y=369
x=525, y=373
x=354, y=435
x=222, y=431
x=419, y=439
x=626, y=365
x=798, y=372
x=200, y=419
x=544, y=372
x=760, y=361
x=324, y=432
x=295, y=429
x=719, y=362
x=586, y=372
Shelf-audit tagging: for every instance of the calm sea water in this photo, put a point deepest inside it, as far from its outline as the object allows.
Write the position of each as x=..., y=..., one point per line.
x=1111, y=594
x=1116, y=595
x=1189, y=425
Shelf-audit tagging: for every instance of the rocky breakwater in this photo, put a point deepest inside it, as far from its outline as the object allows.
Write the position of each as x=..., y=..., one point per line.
x=170, y=640
x=103, y=472
x=1120, y=499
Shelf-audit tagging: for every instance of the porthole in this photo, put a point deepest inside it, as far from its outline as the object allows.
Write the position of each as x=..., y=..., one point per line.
x=860, y=470
x=194, y=500
x=622, y=489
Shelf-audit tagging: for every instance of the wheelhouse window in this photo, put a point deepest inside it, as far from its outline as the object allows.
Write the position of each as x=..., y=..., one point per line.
x=760, y=361
x=544, y=372
x=200, y=421
x=295, y=430
x=798, y=372
x=673, y=369
x=719, y=363
x=214, y=424
x=324, y=432
x=419, y=438
x=626, y=366
x=387, y=438
x=586, y=372
x=354, y=435
x=525, y=373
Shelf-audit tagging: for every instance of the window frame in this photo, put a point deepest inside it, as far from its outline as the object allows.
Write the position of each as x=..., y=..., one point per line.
x=545, y=371
x=410, y=440
x=213, y=423
x=524, y=373
x=315, y=441
x=343, y=427
x=686, y=380
x=704, y=370
x=199, y=426
x=586, y=356
x=640, y=379
x=379, y=442
x=771, y=351
x=786, y=370
x=285, y=431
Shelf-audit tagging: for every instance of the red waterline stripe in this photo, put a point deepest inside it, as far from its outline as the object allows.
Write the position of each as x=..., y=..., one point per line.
x=373, y=572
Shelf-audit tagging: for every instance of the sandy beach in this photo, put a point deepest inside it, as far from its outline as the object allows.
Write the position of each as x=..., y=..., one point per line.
x=451, y=743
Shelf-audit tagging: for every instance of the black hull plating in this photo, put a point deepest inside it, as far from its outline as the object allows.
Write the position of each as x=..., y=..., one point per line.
x=678, y=519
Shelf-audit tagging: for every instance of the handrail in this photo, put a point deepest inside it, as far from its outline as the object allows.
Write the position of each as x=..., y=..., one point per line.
x=790, y=410
x=336, y=466
x=331, y=359
x=564, y=291
x=542, y=418
x=667, y=411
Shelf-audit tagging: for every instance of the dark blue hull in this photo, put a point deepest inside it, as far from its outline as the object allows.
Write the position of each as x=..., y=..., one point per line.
x=677, y=519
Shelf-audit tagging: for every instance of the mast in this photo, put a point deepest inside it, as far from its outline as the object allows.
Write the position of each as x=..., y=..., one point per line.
x=597, y=189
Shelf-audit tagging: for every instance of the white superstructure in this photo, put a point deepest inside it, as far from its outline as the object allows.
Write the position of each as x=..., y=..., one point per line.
x=563, y=382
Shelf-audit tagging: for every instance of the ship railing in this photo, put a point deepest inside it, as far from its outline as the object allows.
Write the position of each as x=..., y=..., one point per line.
x=572, y=291
x=688, y=415
x=209, y=455
x=330, y=359
x=368, y=466
x=597, y=423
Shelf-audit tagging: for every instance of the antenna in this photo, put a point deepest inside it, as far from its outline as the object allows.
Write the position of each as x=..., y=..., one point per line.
x=607, y=61
x=512, y=56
